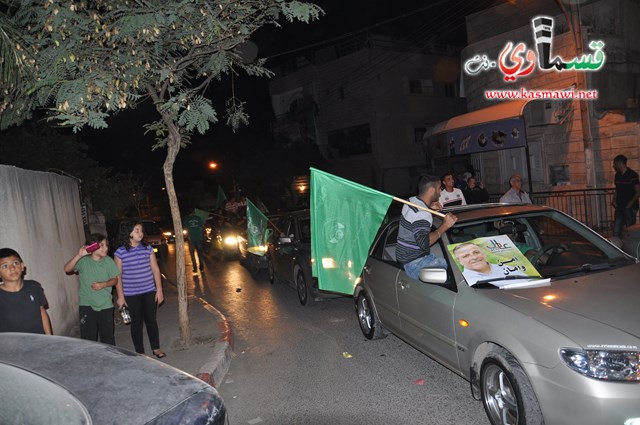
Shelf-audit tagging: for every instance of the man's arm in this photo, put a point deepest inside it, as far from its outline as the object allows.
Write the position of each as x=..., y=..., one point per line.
x=636, y=196
x=46, y=321
x=449, y=220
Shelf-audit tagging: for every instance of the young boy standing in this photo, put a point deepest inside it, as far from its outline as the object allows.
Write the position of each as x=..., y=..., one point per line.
x=98, y=274
x=22, y=302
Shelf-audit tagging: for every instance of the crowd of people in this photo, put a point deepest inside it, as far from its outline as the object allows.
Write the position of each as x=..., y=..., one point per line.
x=133, y=271
x=135, y=274
x=415, y=234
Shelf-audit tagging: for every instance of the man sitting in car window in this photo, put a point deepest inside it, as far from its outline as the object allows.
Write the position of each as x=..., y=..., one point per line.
x=415, y=236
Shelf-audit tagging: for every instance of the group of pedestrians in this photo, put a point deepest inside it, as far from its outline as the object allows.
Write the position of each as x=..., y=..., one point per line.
x=415, y=236
x=134, y=273
x=474, y=193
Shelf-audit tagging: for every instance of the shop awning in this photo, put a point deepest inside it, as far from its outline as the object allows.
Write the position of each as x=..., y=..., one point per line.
x=499, y=126
x=501, y=111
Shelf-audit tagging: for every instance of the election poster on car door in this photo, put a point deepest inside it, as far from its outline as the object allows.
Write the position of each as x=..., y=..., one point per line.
x=497, y=261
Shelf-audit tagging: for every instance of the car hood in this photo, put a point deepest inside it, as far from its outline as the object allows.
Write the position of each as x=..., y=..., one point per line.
x=595, y=310
x=114, y=384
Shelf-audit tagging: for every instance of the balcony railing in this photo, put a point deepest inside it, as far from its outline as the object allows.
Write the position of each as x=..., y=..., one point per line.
x=590, y=206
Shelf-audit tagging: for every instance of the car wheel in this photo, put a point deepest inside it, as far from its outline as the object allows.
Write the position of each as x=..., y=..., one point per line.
x=507, y=395
x=304, y=291
x=271, y=271
x=369, y=323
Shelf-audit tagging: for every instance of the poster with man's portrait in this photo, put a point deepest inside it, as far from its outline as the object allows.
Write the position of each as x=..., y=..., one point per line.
x=495, y=260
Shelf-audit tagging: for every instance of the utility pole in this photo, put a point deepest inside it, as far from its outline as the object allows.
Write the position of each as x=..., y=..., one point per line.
x=581, y=82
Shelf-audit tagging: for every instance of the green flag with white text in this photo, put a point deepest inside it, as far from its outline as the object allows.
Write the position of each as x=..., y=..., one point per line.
x=257, y=230
x=345, y=217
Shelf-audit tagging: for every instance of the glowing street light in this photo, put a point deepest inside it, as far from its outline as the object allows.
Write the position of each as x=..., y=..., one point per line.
x=213, y=165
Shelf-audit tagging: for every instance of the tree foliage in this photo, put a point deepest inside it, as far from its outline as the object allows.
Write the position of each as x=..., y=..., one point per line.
x=94, y=58
x=90, y=59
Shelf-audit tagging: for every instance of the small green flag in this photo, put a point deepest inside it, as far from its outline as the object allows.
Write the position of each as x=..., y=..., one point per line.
x=221, y=197
x=258, y=231
x=201, y=213
x=345, y=217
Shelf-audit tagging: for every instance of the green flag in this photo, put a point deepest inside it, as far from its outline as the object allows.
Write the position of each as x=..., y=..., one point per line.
x=221, y=197
x=257, y=230
x=201, y=213
x=345, y=217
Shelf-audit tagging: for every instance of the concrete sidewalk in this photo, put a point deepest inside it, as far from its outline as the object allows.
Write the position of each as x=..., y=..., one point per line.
x=208, y=356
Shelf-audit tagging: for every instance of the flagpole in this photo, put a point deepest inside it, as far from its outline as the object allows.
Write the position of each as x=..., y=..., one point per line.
x=434, y=212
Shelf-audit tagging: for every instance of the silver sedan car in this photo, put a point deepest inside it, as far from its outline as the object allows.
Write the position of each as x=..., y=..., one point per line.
x=566, y=351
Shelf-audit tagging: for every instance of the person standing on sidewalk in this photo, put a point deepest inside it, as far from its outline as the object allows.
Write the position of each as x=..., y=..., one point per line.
x=140, y=287
x=195, y=229
x=98, y=274
x=627, y=193
x=23, y=305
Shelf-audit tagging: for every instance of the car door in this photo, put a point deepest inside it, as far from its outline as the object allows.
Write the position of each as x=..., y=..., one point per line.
x=426, y=315
x=284, y=248
x=380, y=275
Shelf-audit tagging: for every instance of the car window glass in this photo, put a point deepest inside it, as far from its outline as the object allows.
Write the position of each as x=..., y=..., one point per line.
x=28, y=398
x=305, y=229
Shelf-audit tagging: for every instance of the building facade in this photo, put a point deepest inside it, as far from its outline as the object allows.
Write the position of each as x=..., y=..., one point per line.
x=366, y=104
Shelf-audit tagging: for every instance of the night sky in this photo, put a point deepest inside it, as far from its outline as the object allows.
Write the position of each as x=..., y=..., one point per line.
x=125, y=147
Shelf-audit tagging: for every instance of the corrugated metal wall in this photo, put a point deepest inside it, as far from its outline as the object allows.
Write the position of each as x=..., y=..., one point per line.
x=40, y=218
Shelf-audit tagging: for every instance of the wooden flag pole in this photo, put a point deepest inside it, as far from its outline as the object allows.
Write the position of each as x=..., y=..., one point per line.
x=434, y=212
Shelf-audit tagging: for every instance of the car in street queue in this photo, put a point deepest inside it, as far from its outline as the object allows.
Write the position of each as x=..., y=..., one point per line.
x=254, y=262
x=289, y=255
x=566, y=351
x=117, y=232
x=60, y=380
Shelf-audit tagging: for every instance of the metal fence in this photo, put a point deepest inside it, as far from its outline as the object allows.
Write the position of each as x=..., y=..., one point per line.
x=590, y=206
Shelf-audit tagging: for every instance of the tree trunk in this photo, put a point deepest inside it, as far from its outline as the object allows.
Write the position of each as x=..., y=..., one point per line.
x=173, y=147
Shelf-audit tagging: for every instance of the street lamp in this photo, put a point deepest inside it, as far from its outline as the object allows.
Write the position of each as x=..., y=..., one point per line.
x=213, y=165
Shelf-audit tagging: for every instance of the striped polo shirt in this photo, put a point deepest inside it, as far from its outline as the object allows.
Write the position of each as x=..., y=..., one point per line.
x=413, y=233
x=137, y=277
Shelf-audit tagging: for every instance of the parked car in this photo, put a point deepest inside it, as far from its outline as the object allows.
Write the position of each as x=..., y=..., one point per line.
x=62, y=380
x=289, y=256
x=564, y=353
x=117, y=230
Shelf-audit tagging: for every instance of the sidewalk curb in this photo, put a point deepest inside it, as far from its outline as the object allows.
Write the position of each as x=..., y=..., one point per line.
x=214, y=369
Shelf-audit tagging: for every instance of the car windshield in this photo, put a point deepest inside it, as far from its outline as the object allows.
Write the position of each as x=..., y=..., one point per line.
x=546, y=244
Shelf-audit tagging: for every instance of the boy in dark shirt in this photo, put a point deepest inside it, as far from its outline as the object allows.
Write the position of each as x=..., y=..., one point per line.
x=22, y=302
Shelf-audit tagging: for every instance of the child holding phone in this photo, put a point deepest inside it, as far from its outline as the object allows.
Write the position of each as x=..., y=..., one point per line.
x=98, y=274
x=22, y=302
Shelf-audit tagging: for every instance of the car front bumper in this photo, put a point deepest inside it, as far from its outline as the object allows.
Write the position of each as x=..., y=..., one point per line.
x=567, y=397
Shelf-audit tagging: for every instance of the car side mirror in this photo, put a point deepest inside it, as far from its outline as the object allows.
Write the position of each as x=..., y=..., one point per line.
x=437, y=276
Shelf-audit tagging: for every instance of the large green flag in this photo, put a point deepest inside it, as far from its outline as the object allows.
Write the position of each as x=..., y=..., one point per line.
x=345, y=217
x=257, y=230
x=221, y=197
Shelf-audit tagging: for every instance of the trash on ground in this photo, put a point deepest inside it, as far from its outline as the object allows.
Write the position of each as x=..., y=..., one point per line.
x=346, y=355
x=419, y=381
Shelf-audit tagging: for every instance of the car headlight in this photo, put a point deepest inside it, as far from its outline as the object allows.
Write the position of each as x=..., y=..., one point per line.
x=231, y=240
x=603, y=364
x=167, y=234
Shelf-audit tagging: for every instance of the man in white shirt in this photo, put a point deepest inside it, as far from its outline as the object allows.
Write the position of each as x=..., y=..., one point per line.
x=450, y=195
x=515, y=195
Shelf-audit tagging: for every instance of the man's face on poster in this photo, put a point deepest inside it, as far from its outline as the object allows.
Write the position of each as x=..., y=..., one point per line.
x=471, y=257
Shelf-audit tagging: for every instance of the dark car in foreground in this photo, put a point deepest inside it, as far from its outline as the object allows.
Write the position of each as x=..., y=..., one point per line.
x=61, y=380
x=565, y=350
